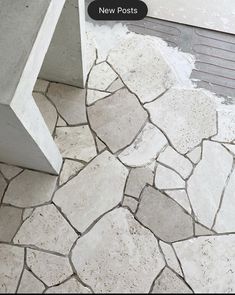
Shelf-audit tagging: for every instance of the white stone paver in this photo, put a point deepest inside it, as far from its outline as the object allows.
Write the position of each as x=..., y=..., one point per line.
x=10, y=220
x=148, y=144
x=207, y=183
x=76, y=142
x=142, y=67
x=97, y=189
x=117, y=247
x=231, y=148
x=71, y=286
x=100, y=145
x=202, y=231
x=9, y=171
x=186, y=116
x=47, y=229
x=226, y=124
x=30, y=189
x=30, y=284
x=101, y=77
x=70, y=169
x=94, y=95
x=130, y=203
x=12, y=261
x=166, y=178
x=195, y=155
x=174, y=160
x=116, y=85
x=208, y=263
x=27, y=213
x=181, y=197
x=49, y=268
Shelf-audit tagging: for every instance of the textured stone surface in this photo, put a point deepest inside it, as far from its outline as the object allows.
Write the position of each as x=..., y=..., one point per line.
x=29, y=284
x=51, y=230
x=163, y=216
x=97, y=189
x=141, y=66
x=195, y=155
x=41, y=85
x=181, y=197
x=27, y=212
x=201, y=230
x=10, y=220
x=71, y=286
x=166, y=178
x=47, y=110
x=9, y=171
x=186, y=116
x=137, y=180
x=148, y=144
x=3, y=186
x=100, y=145
x=61, y=122
x=94, y=95
x=76, y=142
x=116, y=85
x=49, y=268
x=208, y=263
x=174, y=160
x=226, y=124
x=29, y=189
x=70, y=169
x=101, y=76
x=117, y=247
x=206, y=185
x=230, y=147
x=90, y=51
x=69, y=101
x=109, y=118
x=130, y=203
x=225, y=221
x=12, y=261
x=169, y=283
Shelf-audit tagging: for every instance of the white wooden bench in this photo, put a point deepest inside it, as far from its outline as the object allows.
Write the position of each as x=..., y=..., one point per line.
x=27, y=29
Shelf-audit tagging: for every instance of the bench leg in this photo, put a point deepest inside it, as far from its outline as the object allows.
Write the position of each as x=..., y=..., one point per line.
x=64, y=61
x=25, y=139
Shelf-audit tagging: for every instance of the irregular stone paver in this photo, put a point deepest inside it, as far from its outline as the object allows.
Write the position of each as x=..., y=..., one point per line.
x=69, y=101
x=116, y=85
x=27, y=213
x=94, y=95
x=29, y=284
x=166, y=178
x=208, y=263
x=76, y=142
x=29, y=189
x=225, y=219
x=90, y=51
x=142, y=67
x=47, y=110
x=202, y=231
x=226, y=124
x=163, y=216
x=71, y=286
x=195, y=155
x=130, y=203
x=174, y=160
x=230, y=147
x=181, y=197
x=61, y=122
x=109, y=118
x=148, y=144
x=41, y=85
x=170, y=257
x=97, y=189
x=186, y=116
x=206, y=185
x=47, y=229
x=101, y=76
x=137, y=180
x=9, y=171
x=10, y=220
x=70, y=169
x=3, y=186
x=100, y=145
x=49, y=268
x=12, y=261
x=169, y=283
x=116, y=246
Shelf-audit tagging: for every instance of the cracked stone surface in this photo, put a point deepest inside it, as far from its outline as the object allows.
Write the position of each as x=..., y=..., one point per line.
x=76, y=142
x=49, y=268
x=30, y=284
x=70, y=169
x=193, y=121
x=138, y=57
x=10, y=220
x=109, y=118
x=208, y=264
x=116, y=245
x=154, y=211
x=69, y=101
x=204, y=195
x=12, y=261
x=30, y=189
x=101, y=77
x=9, y=171
x=94, y=95
x=48, y=111
x=51, y=230
x=71, y=286
x=168, y=282
x=145, y=148
x=83, y=202
x=166, y=178
x=181, y=197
